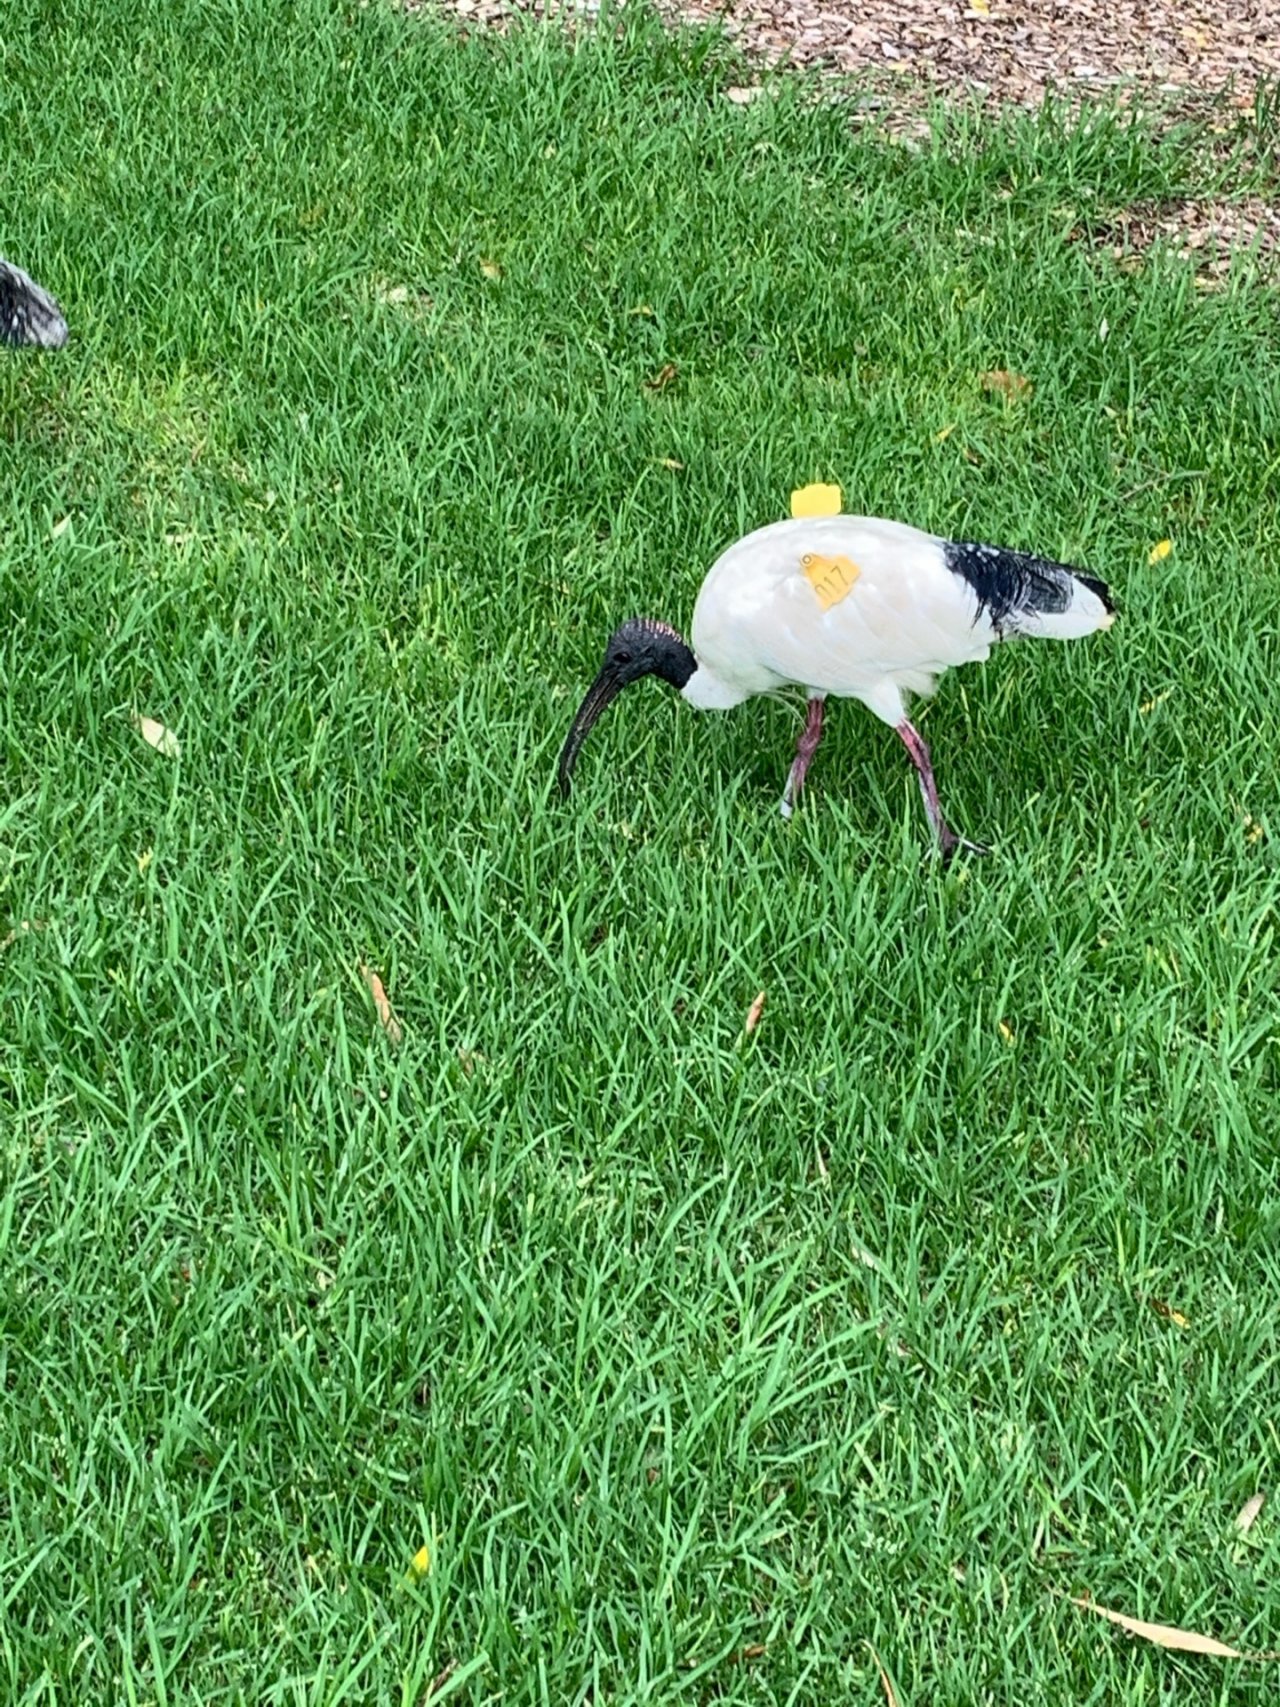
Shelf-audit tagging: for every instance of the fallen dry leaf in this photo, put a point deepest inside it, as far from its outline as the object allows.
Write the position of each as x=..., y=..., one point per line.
x=743, y=97
x=59, y=528
x=1163, y=1635
x=491, y=269
x=157, y=736
x=10, y=937
x=1159, y=551
x=752, y=1651
x=1248, y=1513
x=415, y=302
x=890, y=1694
x=388, y=1021
x=1168, y=1312
x=1012, y=385
x=440, y=1679
x=753, y=1014
x=666, y=375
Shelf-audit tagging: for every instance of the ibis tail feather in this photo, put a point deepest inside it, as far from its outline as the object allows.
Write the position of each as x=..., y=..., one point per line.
x=1021, y=594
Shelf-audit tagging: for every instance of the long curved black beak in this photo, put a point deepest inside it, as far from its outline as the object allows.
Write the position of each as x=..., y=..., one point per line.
x=606, y=687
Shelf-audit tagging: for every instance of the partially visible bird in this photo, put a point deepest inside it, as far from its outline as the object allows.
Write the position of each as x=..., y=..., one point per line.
x=849, y=606
x=28, y=314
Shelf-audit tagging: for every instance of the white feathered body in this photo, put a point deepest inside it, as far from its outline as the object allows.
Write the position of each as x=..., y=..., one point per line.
x=915, y=605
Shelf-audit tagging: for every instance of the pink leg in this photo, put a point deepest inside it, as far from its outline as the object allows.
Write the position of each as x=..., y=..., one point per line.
x=806, y=747
x=915, y=744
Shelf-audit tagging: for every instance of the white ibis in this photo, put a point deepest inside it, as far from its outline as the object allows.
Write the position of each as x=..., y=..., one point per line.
x=28, y=314
x=850, y=606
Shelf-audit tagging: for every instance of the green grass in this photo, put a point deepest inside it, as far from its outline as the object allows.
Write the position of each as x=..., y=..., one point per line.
x=669, y=1342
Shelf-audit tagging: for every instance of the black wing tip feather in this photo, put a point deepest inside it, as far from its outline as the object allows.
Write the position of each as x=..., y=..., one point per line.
x=1006, y=583
x=28, y=314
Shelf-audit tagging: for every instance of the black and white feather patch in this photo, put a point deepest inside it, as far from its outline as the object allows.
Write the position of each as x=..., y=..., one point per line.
x=1010, y=585
x=28, y=314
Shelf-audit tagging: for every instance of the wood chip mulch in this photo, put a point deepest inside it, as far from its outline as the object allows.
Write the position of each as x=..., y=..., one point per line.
x=1018, y=50
x=1012, y=50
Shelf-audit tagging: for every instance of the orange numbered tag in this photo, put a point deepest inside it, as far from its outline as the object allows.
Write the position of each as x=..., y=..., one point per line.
x=831, y=578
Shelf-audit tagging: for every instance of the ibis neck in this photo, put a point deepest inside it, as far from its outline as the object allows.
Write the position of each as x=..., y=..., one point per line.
x=709, y=692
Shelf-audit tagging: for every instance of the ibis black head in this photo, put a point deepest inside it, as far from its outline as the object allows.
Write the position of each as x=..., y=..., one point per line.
x=641, y=647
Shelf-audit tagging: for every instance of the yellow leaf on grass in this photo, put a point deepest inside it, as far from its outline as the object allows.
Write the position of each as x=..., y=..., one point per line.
x=1168, y=1312
x=816, y=501
x=1163, y=1635
x=1005, y=1031
x=422, y=1561
x=942, y=437
x=491, y=269
x=157, y=736
x=1159, y=551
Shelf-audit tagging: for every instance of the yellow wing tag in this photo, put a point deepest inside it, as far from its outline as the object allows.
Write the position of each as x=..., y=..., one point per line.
x=816, y=501
x=831, y=578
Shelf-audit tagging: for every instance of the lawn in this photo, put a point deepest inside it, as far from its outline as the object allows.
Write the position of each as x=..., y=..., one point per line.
x=701, y=1363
